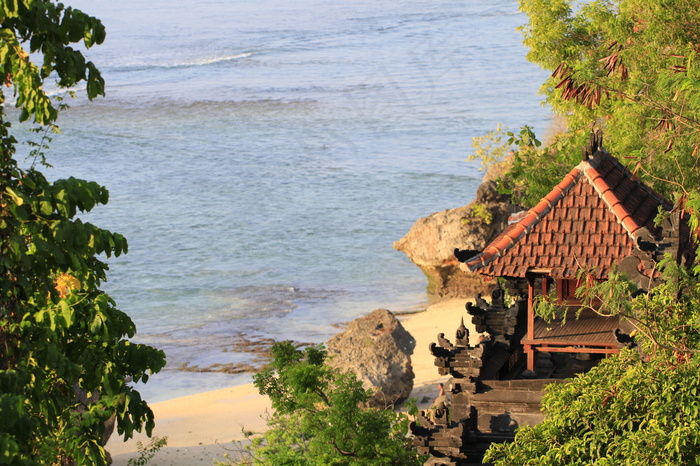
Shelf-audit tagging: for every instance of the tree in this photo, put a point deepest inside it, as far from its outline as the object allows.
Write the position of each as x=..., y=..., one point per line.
x=64, y=358
x=628, y=67
x=319, y=418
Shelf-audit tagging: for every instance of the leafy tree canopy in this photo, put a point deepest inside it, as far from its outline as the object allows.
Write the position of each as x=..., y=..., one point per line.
x=64, y=358
x=637, y=408
x=628, y=67
x=319, y=418
x=624, y=411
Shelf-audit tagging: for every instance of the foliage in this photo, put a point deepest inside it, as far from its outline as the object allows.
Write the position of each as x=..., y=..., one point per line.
x=547, y=307
x=668, y=317
x=533, y=167
x=640, y=407
x=629, y=67
x=147, y=452
x=525, y=174
x=48, y=29
x=64, y=358
x=490, y=148
x=480, y=213
x=623, y=411
x=319, y=416
x=520, y=174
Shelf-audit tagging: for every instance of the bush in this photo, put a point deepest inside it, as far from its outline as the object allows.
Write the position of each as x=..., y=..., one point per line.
x=319, y=417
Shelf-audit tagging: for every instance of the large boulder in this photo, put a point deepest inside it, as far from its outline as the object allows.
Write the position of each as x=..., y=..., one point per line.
x=378, y=350
x=431, y=241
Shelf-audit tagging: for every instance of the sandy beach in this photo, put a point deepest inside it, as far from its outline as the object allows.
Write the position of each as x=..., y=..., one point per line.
x=203, y=427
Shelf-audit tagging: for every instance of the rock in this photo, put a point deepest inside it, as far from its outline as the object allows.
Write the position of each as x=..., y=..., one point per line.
x=378, y=350
x=431, y=241
x=487, y=193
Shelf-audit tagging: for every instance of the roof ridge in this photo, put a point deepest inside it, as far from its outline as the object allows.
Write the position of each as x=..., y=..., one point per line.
x=650, y=191
x=516, y=231
x=608, y=195
x=599, y=211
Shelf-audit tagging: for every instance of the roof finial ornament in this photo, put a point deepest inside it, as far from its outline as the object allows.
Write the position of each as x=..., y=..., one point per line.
x=594, y=144
x=462, y=334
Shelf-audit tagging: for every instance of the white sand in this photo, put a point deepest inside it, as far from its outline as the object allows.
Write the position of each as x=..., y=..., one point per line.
x=202, y=427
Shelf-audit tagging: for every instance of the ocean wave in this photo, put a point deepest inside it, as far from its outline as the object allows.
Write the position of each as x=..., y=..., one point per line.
x=116, y=106
x=210, y=61
x=195, y=62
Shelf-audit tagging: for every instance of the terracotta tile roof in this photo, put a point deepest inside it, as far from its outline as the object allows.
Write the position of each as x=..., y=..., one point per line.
x=592, y=218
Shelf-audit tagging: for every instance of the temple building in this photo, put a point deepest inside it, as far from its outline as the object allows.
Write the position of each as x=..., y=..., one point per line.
x=599, y=217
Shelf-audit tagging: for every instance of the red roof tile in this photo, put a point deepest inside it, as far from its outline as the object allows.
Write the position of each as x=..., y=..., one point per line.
x=590, y=219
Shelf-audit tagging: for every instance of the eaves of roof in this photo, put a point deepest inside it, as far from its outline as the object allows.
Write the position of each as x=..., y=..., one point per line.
x=515, y=232
x=632, y=204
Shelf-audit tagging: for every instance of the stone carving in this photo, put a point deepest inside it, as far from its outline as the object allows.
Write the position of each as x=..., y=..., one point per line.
x=479, y=411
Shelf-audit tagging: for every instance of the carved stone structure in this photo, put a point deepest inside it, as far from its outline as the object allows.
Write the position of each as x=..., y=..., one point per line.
x=482, y=409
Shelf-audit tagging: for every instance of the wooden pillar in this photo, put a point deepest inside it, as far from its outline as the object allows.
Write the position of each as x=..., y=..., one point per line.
x=529, y=351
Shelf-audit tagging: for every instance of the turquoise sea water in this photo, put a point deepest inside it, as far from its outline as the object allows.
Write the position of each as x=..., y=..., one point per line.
x=263, y=156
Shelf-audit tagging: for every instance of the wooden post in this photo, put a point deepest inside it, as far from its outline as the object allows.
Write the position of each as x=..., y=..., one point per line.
x=529, y=351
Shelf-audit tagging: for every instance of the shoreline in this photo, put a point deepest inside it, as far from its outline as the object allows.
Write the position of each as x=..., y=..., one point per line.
x=202, y=427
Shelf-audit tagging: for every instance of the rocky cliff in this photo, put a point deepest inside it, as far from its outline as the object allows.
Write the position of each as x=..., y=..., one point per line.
x=431, y=241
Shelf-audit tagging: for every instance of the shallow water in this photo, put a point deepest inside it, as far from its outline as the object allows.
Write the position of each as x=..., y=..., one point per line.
x=262, y=158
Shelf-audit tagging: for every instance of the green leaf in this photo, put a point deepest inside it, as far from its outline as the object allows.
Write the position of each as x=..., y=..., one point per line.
x=66, y=312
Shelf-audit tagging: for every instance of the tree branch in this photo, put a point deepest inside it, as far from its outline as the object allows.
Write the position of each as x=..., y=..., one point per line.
x=344, y=453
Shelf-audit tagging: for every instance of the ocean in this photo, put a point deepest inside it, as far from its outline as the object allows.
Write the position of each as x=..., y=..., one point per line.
x=262, y=157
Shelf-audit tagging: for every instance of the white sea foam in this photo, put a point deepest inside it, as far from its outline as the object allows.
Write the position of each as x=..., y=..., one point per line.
x=206, y=61
x=210, y=61
x=140, y=64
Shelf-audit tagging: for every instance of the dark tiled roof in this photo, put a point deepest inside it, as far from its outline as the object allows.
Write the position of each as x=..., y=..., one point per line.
x=591, y=219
